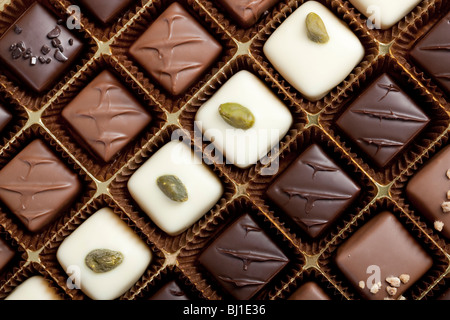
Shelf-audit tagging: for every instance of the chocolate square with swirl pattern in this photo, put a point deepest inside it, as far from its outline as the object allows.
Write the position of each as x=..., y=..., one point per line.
x=382, y=121
x=313, y=191
x=243, y=259
x=106, y=116
x=176, y=49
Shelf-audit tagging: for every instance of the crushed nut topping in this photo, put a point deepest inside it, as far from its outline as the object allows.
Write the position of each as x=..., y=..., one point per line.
x=391, y=290
x=375, y=288
x=448, y=173
x=438, y=225
x=446, y=206
x=362, y=284
x=393, y=281
x=404, y=278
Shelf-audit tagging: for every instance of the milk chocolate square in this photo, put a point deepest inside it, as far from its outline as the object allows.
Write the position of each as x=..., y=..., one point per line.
x=105, y=10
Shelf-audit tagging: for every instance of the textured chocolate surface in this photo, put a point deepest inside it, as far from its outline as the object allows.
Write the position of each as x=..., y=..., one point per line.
x=36, y=186
x=382, y=121
x=6, y=254
x=309, y=291
x=382, y=243
x=243, y=259
x=106, y=116
x=313, y=191
x=5, y=117
x=432, y=53
x=247, y=12
x=40, y=53
x=176, y=50
x=170, y=291
x=428, y=188
x=105, y=10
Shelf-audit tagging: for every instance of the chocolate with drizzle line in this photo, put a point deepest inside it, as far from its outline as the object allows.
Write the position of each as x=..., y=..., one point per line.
x=243, y=259
x=313, y=191
x=382, y=120
x=170, y=291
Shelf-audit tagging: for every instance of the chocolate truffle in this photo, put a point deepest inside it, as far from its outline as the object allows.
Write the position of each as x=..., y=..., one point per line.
x=41, y=52
x=6, y=254
x=36, y=186
x=170, y=291
x=384, y=13
x=34, y=288
x=5, y=117
x=247, y=12
x=174, y=188
x=106, y=116
x=309, y=291
x=380, y=250
x=176, y=50
x=243, y=259
x=244, y=147
x=105, y=10
x=313, y=68
x=382, y=120
x=428, y=190
x=313, y=191
x=432, y=53
x=106, y=255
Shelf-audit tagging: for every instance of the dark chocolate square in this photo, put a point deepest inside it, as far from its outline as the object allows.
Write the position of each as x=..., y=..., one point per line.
x=309, y=291
x=243, y=259
x=382, y=248
x=105, y=10
x=40, y=53
x=6, y=254
x=247, y=12
x=176, y=50
x=170, y=291
x=432, y=53
x=36, y=186
x=382, y=121
x=427, y=190
x=106, y=116
x=5, y=117
x=313, y=191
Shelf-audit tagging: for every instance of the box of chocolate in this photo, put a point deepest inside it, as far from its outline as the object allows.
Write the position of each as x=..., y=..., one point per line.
x=224, y=150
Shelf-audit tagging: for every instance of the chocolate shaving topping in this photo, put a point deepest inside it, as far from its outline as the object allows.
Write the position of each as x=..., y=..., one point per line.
x=56, y=42
x=16, y=53
x=55, y=33
x=45, y=50
x=60, y=56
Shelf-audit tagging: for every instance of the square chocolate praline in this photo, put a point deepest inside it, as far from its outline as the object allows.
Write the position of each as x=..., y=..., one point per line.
x=6, y=254
x=382, y=248
x=105, y=10
x=432, y=54
x=243, y=259
x=170, y=291
x=36, y=186
x=37, y=49
x=106, y=116
x=5, y=117
x=176, y=49
x=428, y=190
x=313, y=191
x=309, y=291
x=382, y=120
x=247, y=12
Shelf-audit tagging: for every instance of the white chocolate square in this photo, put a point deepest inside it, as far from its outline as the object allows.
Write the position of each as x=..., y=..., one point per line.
x=104, y=230
x=244, y=148
x=314, y=69
x=34, y=288
x=203, y=187
x=384, y=13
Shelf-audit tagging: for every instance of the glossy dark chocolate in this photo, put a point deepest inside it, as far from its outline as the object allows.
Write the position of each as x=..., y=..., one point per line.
x=427, y=190
x=36, y=186
x=309, y=291
x=170, y=291
x=247, y=12
x=5, y=117
x=382, y=247
x=40, y=53
x=313, y=191
x=382, y=121
x=176, y=50
x=432, y=53
x=105, y=10
x=243, y=259
x=6, y=254
x=106, y=116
